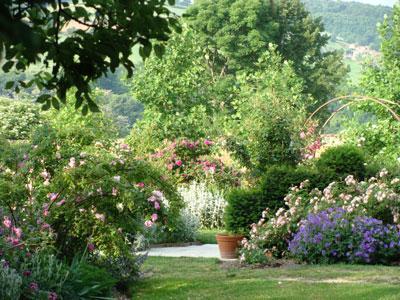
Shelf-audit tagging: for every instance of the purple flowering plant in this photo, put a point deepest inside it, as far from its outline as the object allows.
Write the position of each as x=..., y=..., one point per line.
x=378, y=198
x=334, y=235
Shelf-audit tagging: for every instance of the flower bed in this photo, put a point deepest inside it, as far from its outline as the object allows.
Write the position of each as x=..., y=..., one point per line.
x=378, y=198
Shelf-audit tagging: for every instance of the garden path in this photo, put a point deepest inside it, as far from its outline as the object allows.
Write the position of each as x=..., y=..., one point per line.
x=206, y=250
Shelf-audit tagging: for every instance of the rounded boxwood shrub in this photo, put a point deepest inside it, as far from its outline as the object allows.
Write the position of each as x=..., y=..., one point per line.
x=244, y=207
x=343, y=160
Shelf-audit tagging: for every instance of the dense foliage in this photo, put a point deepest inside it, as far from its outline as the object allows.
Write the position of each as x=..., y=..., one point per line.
x=18, y=118
x=76, y=41
x=235, y=34
x=72, y=190
x=342, y=161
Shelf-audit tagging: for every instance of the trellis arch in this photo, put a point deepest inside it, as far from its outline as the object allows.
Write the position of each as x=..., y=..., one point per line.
x=352, y=99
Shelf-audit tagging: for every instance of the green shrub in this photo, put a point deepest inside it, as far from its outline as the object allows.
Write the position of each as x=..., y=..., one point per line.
x=276, y=182
x=244, y=207
x=10, y=284
x=87, y=281
x=343, y=160
x=18, y=118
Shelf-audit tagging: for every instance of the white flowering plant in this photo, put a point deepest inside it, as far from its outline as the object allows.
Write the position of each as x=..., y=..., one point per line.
x=378, y=197
x=204, y=205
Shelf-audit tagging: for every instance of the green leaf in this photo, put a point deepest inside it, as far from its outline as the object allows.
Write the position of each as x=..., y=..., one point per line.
x=79, y=100
x=85, y=110
x=9, y=85
x=159, y=50
x=43, y=98
x=93, y=106
x=7, y=66
x=145, y=50
x=55, y=103
x=47, y=105
x=171, y=2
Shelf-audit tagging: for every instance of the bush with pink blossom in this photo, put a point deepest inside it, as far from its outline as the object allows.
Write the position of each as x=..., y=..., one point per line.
x=198, y=160
x=92, y=197
x=378, y=197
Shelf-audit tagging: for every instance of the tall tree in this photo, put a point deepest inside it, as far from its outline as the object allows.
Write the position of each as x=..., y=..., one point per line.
x=236, y=33
x=78, y=41
x=382, y=79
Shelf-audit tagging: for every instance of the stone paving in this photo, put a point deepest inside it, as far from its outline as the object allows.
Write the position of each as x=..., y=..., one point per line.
x=207, y=250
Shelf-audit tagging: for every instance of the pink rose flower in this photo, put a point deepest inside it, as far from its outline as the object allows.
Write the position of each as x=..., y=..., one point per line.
x=302, y=135
x=17, y=231
x=60, y=203
x=154, y=217
x=100, y=217
x=152, y=198
x=90, y=247
x=208, y=142
x=45, y=226
x=157, y=205
x=52, y=296
x=148, y=223
x=140, y=185
x=52, y=196
x=178, y=163
x=34, y=286
x=7, y=222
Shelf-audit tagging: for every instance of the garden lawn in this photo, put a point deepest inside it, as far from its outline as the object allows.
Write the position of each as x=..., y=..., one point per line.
x=200, y=278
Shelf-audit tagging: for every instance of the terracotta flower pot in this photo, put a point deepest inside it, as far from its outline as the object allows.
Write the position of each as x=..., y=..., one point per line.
x=228, y=245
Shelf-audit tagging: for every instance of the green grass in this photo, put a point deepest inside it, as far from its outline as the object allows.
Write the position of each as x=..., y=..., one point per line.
x=355, y=69
x=196, y=278
x=207, y=236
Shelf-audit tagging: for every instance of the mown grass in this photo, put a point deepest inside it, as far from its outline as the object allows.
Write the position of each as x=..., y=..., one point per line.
x=199, y=278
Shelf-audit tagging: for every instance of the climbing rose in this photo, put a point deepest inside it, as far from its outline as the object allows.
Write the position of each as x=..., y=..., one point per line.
x=17, y=231
x=178, y=163
x=156, y=205
x=7, y=222
x=140, y=185
x=148, y=223
x=154, y=217
x=91, y=247
x=60, y=203
x=34, y=286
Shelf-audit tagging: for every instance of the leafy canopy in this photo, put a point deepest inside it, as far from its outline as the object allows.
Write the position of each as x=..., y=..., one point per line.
x=236, y=33
x=78, y=41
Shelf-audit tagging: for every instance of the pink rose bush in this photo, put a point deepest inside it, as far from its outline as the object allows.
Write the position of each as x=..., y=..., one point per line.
x=93, y=200
x=378, y=197
x=198, y=160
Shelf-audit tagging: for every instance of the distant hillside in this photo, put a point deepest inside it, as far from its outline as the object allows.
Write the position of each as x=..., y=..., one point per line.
x=377, y=2
x=351, y=22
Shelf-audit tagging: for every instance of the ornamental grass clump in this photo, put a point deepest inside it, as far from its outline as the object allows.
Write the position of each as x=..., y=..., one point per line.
x=334, y=235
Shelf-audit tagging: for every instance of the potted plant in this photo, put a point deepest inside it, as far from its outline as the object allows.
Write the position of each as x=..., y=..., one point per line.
x=237, y=220
x=228, y=245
